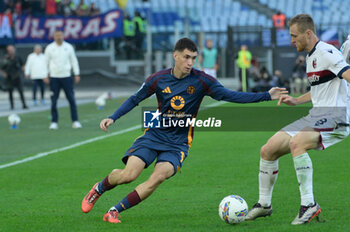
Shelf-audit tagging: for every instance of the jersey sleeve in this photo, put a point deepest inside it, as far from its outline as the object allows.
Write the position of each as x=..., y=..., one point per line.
x=220, y=93
x=336, y=62
x=146, y=90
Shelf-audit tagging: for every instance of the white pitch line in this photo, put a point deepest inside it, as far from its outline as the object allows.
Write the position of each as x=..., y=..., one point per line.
x=37, y=156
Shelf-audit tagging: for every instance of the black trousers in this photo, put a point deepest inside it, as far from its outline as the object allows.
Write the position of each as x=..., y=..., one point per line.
x=16, y=83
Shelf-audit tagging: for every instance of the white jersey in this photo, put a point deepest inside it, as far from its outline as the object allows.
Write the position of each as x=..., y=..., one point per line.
x=325, y=66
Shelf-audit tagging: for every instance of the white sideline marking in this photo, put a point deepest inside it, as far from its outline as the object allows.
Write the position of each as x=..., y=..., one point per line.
x=37, y=156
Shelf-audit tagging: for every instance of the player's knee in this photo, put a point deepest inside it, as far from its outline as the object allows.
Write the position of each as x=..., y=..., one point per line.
x=127, y=176
x=158, y=178
x=265, y=152
x=294, y=144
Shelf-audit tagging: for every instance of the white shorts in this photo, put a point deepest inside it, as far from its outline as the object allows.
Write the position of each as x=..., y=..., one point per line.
x=330, y=130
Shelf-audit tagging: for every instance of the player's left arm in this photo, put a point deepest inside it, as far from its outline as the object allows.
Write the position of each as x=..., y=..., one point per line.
x=219, y=92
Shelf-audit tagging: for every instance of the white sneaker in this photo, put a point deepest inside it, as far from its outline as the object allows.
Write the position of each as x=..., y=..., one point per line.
x=76, y=125
x=53, y=126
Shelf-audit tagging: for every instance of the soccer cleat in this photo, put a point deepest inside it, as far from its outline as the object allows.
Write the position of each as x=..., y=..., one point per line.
x=259, y=211
x=306, y=214
x=112, y=216
x=53, y=126
x=90, y=199
x=76, y=125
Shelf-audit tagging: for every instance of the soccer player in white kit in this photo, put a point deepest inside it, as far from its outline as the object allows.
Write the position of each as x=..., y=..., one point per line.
x=325, y=125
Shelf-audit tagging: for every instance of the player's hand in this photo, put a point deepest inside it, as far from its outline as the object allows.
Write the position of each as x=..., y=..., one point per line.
x=289, y=100
x=105, y=123
x=46, y=80
x=277, y=92
x=76, y=79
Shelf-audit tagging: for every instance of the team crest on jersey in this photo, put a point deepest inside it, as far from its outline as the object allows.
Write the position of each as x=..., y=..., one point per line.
x=177, y=102
x=314, y=63
x=191, y=89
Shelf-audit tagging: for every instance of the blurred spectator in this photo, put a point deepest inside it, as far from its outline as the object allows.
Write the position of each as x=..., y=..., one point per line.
x=129, y=36
x=12, y=72
x=82, y=9
x=93, y=9
x=61, y=60
x=278, y=80
x=254, y=72
x=36, y=70
x=50, y=8
x=9, y=4
x=279, y=20
x=18, y=8
x=300, y=82
x=209, y=59
x=67, y=8
x=140, y=31
x=263, y=81
x=244, y=58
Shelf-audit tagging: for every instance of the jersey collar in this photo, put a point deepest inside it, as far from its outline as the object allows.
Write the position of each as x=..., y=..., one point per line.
x=313, y=49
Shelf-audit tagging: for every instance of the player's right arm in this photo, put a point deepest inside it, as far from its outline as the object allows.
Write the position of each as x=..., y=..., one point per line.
x=146, y=90
x=289, y=100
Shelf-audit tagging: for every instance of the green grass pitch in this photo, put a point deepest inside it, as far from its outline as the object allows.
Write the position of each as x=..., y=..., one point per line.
x=45, y=194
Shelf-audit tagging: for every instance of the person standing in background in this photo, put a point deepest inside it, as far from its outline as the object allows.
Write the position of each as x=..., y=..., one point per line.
x=61, y=60
x=279, y=20
x=244, y=61
x=140, y=31
x=299, y=76
x=12, y=72
x=36, y=70
x=209, y=59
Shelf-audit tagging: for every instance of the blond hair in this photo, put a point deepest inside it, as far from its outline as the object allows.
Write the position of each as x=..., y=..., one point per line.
x=304, y=22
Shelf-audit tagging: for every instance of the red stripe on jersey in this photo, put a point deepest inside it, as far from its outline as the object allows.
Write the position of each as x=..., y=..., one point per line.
x=154, y=84
x=162, y=72
x=320, y=73
x=319, y=77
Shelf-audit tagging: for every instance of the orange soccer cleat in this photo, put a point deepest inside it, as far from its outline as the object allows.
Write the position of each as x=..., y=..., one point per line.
x=112, y=216
x=90, y=199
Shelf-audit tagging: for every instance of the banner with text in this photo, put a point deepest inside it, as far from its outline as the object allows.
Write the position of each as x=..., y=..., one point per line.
x=29, y=29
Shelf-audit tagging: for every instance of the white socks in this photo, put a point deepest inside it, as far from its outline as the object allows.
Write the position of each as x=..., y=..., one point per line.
x=267, y=177
x=303, y=168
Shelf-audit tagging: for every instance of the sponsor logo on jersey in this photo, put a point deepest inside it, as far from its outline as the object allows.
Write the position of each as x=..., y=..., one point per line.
x=166, y=90
x=191, y=89
x=314, y=63
x=177, y=102
x=313, y=78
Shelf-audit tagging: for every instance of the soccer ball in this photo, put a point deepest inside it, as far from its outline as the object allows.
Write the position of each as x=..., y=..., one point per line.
x=14, y=120
x=233, y=209
x=100, y=102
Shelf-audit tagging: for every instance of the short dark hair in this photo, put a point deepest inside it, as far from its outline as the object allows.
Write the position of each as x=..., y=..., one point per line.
x=304, y=22
x=185, y=43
